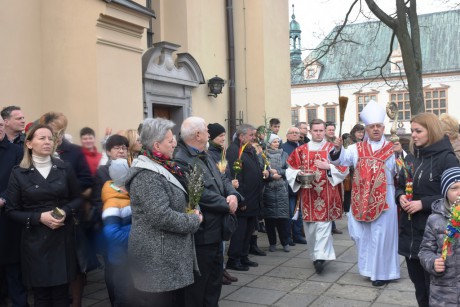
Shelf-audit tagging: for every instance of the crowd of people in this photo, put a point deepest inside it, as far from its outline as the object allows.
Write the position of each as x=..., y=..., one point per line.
x=160, y=213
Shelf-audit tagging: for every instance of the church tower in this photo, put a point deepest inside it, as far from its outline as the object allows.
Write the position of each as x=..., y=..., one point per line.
x=294, y=35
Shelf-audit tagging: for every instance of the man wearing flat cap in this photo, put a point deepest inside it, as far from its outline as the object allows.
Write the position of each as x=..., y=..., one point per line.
x=373, y=224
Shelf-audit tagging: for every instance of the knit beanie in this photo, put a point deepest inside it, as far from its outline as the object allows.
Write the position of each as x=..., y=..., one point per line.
x=448, y=178
x=118, y=171
x=273, y=137
x=215, y=130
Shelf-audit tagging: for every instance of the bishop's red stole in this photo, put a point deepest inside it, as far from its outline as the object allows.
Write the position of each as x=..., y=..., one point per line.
x=322, y=202
x=369, y=186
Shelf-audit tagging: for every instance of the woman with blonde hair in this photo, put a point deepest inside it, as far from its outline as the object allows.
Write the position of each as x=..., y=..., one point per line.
x=134, y=143
x=432, y=154
x=73, y=154
x=450, y=127
x=43, y=193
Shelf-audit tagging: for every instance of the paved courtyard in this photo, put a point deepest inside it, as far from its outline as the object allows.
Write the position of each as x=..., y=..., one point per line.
x=289, y=279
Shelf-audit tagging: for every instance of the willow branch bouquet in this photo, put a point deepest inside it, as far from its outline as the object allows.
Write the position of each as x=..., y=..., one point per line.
x=238, y=164
x=195, y=187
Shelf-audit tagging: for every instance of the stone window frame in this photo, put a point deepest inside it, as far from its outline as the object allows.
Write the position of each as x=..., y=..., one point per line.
x=295, y=115
x=327, y=107
x=438, y=95
x=362, y=98
x=307, y=111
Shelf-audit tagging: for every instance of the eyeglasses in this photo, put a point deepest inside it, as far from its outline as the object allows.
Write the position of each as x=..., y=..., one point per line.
x=295, y=132
x=118, y=148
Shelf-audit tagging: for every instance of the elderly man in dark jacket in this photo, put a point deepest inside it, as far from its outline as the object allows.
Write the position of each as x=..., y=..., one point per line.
x=250, y=187
x=218, y=199
x=295, y=227
x=10, y=232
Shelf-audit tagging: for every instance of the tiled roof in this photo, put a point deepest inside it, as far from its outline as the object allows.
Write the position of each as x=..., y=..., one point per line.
x=366, y=45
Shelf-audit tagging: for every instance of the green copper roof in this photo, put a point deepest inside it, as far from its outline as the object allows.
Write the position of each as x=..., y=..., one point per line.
x=366, y=45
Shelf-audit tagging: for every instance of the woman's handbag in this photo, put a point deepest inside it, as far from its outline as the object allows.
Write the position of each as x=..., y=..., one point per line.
x=230, y=222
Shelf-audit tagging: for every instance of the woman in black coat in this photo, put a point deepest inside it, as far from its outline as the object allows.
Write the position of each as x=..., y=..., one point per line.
x=432, y=155
x=276, y=197
x=36, y=187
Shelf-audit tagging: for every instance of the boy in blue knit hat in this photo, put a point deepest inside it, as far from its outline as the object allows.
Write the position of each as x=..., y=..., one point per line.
x=440, y=247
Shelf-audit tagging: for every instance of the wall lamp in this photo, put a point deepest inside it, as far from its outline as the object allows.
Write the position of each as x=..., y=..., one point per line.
x=215, y=86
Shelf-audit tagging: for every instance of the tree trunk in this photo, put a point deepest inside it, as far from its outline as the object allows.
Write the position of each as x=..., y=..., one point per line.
x=409, y=42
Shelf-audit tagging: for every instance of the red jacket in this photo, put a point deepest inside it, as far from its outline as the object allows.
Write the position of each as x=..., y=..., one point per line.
x=93, y=158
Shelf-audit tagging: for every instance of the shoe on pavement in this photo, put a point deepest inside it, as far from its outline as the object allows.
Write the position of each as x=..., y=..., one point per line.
x=249, y=263
x=230, y=277
x=286, y=248
x=380, y=283
x=254, y=249
x=226, y=281
x=291, y=243
x=272, y=248
x=319, y=266
x=336, y=231
x=236, y=266
x=300, y=241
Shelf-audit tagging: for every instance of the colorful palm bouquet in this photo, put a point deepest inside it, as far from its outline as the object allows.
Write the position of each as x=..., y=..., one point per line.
x=222, y=164
x=408, y=169
x=238, y=164
x=266, y=161
x=452, y=230
x=195, y=187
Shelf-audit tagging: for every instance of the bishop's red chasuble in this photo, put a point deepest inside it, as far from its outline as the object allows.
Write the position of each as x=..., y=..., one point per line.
x=322, y=202
x=369, y=186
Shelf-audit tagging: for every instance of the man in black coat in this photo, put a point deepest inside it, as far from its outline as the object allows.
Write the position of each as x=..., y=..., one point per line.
x=250, y=187
x=295, y=227
x=14, y=124
x=218, y=199
x=303, y=128
x=10, y=232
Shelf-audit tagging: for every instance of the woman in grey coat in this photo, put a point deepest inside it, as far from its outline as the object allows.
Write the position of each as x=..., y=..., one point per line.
x=161, y=244
x=444, y=272
x=276, y=198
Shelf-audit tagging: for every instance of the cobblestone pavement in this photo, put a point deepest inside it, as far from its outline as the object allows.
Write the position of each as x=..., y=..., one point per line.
x=289, y=279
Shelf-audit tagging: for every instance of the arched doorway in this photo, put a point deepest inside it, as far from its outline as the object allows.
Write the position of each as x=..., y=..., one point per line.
x=168, y=82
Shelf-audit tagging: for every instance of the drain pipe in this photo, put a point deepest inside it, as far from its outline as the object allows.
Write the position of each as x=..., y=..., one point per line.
x=231, y=68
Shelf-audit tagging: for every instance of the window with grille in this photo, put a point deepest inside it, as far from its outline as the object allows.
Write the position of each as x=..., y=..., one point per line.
x=402, y=101
x=294, y=116
x=362, y=100
x=436, y=100
x=312, y=113
x=330, y=114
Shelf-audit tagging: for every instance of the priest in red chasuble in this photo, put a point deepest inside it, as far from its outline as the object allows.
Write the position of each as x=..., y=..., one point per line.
x=373, y=224
x=322, y=203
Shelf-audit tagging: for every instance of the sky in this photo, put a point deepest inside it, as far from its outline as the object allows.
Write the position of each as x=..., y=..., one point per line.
x=318, y=17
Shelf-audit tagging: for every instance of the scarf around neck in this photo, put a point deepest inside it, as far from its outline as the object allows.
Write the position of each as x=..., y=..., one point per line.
x=163, y=160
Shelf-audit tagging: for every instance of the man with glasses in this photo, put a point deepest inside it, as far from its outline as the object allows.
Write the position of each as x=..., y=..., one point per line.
x=373, y=224
x=294, y=226
x=303, y=129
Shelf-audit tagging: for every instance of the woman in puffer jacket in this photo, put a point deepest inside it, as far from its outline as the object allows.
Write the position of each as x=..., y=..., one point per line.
x=276, y=198
x=432, y=155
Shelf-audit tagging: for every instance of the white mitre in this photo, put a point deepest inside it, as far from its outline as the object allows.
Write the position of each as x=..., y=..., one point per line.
x=373, y=113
